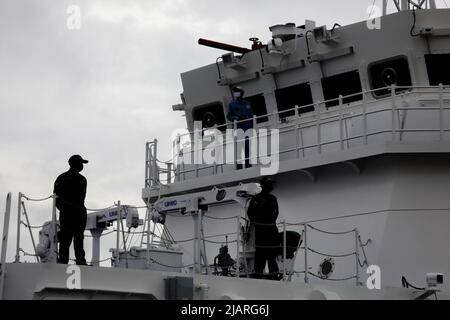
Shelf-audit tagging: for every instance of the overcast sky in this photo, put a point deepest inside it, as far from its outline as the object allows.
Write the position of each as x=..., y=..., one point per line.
x=104, y=90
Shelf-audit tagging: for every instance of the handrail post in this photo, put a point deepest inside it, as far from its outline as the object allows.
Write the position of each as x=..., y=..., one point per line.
x=19, y=212
x=4, y=244
x=196, y=215
x=169, y=172
x=297, y=138
x=235, y=148
x=147, y=162
x=284, y=249
x=116, y=264
x=441, y=112
x=254, y=157
x=54, y=242
x=305, y=228
x=176, y=157
x=29, y=229
x=147, y=251
x=155, y=159
x=238, y=240
x=319, y=136
x=357, y=256
x=393, y=111
x=341, y=125
x=364, y=117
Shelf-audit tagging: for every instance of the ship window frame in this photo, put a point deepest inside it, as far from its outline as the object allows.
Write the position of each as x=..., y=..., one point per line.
x=427, y=62
x=262, y=117
x=221, y=127
x=355, y=96
x=373, y=90
x=285, y=113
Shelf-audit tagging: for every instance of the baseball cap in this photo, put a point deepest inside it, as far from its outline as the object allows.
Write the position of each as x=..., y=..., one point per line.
x=76, y=158
x=266, y=181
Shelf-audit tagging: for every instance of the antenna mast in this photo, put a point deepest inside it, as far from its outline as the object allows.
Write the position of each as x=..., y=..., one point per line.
x=402, y=5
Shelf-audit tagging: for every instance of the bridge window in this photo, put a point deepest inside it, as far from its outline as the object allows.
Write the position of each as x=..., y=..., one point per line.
x=347, y=83
x=437, y=67
x=297, y=95
x=210, y=115
x=259, y=108
x=394, y=71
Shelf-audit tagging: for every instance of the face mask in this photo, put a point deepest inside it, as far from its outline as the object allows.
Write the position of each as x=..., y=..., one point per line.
x=236, y=95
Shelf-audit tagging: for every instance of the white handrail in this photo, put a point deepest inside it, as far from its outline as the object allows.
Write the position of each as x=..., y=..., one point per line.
x=322, y=118
x=4, y=244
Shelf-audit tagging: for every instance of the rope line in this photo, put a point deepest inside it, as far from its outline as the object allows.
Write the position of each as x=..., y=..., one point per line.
x=332, y=279
x=217, y=218
x=37, y=200
x=30, y=226
x=330, y=232
x=70, y=259
x=332, y=255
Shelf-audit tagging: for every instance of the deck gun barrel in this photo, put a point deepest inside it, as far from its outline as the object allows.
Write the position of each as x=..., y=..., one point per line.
x=223, y=46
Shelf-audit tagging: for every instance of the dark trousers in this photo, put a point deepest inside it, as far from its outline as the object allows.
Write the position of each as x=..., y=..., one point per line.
x=263, y=256
x=266, y=251
x=72, y=228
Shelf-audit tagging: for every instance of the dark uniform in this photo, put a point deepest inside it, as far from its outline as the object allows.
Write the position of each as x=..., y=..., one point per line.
x=263, y=213
x=240, y=109
x=70, y=187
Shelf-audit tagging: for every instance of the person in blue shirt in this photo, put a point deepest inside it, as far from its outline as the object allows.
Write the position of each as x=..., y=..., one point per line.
x=238, y=110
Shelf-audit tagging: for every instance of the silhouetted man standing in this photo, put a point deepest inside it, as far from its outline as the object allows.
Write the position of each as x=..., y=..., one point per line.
x=263, y=214
x=70, y=188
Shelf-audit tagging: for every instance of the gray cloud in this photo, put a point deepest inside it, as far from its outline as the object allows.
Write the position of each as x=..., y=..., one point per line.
x=104, y=90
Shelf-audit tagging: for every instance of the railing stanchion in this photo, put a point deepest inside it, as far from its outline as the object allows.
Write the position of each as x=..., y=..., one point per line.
x=119, y=216
x=147, y=249
x=4, y=244
x=284, y=249
x=169, y=172
x=238, y=240
x=341, y=124
x=297, y=138
x=19, y=212
x=254, y=144
x=147, y=162
x=319, y=137
x=441, y=112
x=393, y=112
x=54, y=242
x=29, y=229
x=357, y=256
x=364, y=117
x=235, y=148
x=305, y=229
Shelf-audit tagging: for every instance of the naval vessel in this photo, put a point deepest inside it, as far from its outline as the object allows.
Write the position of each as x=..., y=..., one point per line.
x=353, y=124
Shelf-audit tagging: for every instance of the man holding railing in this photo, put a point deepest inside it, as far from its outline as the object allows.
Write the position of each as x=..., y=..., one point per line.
x=238, y=110
x=263, y=213
x=70, y=189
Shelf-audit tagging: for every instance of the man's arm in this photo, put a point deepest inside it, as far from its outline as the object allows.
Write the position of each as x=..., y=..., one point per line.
x=251, y=211
x=57, y=189
x=275, y=209
x=231, y=115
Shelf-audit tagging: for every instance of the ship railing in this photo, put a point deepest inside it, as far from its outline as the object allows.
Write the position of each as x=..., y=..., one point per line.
x=394, y=105
x=155, y=169
x=123, y=238
x=304, y=245
x=4, y=246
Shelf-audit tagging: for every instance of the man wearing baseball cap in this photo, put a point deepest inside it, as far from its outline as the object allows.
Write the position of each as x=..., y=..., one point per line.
x=263, y=213
x=70, y=188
